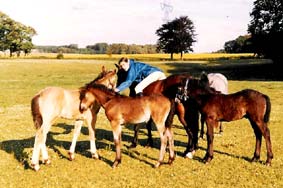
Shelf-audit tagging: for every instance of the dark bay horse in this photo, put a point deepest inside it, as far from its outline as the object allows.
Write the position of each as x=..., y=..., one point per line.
x=123, y=110
x=52, y=103
x=246, y=103
x=218, y=82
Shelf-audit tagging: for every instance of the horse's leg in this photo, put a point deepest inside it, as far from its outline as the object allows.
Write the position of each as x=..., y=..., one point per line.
x=258, y=136
x=266, y=135
x=202, y=127
x=91, y=121
x=209, y=134
x=169, y=134
x=77, y=130
x=163, y=144
x=180, y=111
x=260, y=128
x=136, y=133
x=116, y=128
x=192, y=119
x=220, y=128
x=36, y=149
x=149, y=139
x=44, y=151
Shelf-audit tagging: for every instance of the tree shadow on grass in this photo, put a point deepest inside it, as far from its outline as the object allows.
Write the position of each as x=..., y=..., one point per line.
x=233, y=69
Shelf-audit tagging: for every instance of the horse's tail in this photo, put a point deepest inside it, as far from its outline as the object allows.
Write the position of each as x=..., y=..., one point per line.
x=35, y=112
x=268, y=109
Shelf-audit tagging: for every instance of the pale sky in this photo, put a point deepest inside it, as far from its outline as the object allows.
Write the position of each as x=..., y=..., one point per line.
x=86, y=22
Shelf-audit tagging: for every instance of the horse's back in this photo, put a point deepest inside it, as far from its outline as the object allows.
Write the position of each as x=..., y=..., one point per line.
x=59, y=102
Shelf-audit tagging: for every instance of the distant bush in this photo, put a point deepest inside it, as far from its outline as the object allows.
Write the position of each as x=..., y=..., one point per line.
x=60, y=56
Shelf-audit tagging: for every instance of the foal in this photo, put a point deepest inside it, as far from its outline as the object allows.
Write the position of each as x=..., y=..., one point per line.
x=123, y=110
x=56, y=102
x=218, y=82
x=247, y=103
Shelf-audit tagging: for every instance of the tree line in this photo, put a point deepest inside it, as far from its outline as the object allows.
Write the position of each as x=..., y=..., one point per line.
x=264, y=37
x=101, y=48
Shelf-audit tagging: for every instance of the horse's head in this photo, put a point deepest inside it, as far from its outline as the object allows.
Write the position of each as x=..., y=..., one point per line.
x=121, y=74
x=192, y=87
x=86, y=99
x=107, y=78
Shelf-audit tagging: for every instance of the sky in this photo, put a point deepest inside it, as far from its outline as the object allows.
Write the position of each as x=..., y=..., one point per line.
x=86, y=22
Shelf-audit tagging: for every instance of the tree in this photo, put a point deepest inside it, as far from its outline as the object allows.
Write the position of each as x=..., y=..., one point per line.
x=176, y=36
x=266, y=29
x=239, y=45
x=15, y=36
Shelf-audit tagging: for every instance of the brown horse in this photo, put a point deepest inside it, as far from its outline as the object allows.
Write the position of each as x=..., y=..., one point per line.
x=121, y=110
x=247, y=103
x=187, y=115
x=218, y=82
x=56, y=102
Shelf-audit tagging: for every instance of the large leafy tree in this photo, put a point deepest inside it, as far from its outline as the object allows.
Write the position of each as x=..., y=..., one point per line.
x=15, y=36
x=176, y=36
x=266, y=29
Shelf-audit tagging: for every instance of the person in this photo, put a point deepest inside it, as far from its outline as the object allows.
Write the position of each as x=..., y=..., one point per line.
x=140, y=73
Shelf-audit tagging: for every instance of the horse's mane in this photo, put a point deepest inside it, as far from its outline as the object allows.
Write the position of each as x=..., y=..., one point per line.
x=93, y=82
x=104, y=89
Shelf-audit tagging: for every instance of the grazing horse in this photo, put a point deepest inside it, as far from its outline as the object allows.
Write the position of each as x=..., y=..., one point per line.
x=246, y=103
x=122, y=110
x=220, y=83
x=187, y=115
x=56, y=102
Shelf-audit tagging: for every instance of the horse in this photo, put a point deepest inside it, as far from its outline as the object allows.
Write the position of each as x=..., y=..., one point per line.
x=124, y=110
x=52, y=103
x=220, y=83
x=215, y=107
x=188, y=116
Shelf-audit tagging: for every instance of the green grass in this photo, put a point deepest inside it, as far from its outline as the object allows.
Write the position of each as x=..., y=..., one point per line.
x=22, y=79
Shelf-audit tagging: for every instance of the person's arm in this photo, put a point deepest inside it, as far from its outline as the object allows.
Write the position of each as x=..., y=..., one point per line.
x=127, y=83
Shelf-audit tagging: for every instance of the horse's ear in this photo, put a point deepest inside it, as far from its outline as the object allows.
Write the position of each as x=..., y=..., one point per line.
x=117, y=66
x=204, y=79
x=103, y=68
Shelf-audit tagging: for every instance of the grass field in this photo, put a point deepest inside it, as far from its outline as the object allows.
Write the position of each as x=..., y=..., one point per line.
x=231, y=167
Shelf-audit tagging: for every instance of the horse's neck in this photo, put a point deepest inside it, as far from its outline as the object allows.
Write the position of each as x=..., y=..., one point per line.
x=101, y=96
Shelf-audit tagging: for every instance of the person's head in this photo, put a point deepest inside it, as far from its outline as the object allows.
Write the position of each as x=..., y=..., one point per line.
x=124, y=63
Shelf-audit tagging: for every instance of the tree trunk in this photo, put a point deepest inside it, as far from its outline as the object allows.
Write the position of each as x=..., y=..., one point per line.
x=181, y=55
x=171, y=56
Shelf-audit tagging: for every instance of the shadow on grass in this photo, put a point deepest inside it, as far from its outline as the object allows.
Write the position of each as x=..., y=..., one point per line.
x=233, y=69
x=17, y=147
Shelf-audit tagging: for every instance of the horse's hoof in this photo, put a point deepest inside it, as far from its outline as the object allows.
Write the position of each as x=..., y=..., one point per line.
x=268, y=163
x=132, y=146
x=116, y=163
x=190, y=155
x=46, y=161
x=94, y=156
x=255, y=159
x=71, y=156
x=35, y=167
x=157, y=164
x=170, y=161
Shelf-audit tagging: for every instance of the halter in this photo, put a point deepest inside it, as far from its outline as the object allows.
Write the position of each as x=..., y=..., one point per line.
x=182, y=95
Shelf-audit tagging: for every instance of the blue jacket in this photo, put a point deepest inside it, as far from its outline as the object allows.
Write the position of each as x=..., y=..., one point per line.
x=136, y=73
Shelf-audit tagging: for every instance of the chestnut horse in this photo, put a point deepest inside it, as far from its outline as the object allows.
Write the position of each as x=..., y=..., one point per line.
x=187, y=115
x=56, y=102
x=246, y=103
x=123, y=110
